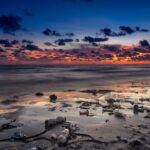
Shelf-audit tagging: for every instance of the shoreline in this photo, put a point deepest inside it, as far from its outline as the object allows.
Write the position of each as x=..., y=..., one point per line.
x=101, y=122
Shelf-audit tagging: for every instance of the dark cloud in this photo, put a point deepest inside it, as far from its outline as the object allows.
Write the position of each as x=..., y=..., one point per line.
x=62, y=42
x=28, y=12
x=127, y=30
x=48, y=44
x=1, y=50
x=32, y=47
x=138, y=29
x=144, y=43
x=49, y=32
x=14, y=42
x=70, y=34
x=10, y=23
x=77, y=40
x=94, y=40
x=112, y=48
x=109, y=32
x=5, y=43
x=27, y=41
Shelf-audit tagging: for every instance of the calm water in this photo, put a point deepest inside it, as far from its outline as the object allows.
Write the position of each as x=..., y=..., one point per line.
x=25, y=79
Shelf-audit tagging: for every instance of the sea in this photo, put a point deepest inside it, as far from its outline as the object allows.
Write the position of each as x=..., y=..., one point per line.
x=27, y=79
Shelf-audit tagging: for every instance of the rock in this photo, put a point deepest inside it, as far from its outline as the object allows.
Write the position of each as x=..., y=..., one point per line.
x=66, y=105
x=107, y=110
x=53, y=98
x=39, y=94
x=147, y=116
x=106, y=120
x=119, y=115
x=137, y=109
x=110, y=101
x=143, y=126
x=52, y=108
x=135, y=143
x=85, y=113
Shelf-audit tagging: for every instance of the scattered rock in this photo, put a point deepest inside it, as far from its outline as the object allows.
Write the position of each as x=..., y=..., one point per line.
x=39, y=94
x=85, y=113
x=52, y=108
x=119, y=115
x=135, y=143
x=137, y=109
x=64, y=104
x=147, y=116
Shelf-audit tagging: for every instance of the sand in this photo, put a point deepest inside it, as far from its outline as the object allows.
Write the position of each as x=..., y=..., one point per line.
x=110, y=131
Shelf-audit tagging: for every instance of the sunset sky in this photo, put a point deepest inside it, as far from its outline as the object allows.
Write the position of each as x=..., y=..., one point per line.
x=74, y=31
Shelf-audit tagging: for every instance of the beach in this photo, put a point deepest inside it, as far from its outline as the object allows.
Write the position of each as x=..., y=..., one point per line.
x=107, y=107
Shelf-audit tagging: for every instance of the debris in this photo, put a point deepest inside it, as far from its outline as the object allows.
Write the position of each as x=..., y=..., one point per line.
x=53, y=98
x=18, y=135
x=63, y=138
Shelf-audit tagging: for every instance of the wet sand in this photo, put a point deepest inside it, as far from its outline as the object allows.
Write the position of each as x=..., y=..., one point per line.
x=110, y=131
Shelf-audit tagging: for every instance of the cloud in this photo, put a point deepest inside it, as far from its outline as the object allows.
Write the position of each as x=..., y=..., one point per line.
x=49, y=32
x=48, y=44
x=14, y=42
x=109, y=32
x=32, y=47
x=27, y=41
x=1, y=50
x=112, y=48
x=144, y=43
x=10, y=23
x=28, y=12
x=127, y=30
x=94, y=40
x=5, y=43
x=70, y=34
x=62, y=42
x=138, y=29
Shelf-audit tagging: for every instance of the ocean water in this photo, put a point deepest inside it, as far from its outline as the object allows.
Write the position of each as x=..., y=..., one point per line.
x=26, y=79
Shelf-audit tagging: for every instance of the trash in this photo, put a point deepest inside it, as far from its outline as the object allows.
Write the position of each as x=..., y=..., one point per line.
x=63, y=138
x=53, y=98
x=18, y=134
x=53, y=122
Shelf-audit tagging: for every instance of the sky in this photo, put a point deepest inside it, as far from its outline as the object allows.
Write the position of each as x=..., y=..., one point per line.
x=74, y=31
